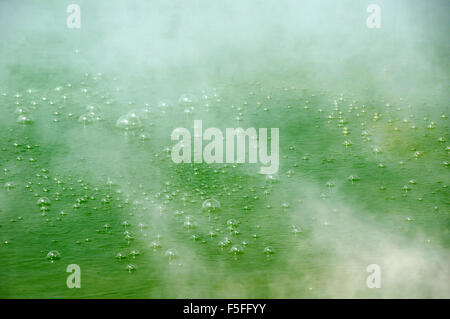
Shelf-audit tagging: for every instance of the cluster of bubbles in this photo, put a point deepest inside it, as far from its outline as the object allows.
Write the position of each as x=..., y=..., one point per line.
x=23, y=114
x=211, y=205
x=53, y=255
x=129, y=122
x=93, y=114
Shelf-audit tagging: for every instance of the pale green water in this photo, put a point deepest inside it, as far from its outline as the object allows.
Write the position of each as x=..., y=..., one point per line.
x=349, y=101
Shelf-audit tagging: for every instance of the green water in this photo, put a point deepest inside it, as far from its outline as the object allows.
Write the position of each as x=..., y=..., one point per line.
x=363, y=178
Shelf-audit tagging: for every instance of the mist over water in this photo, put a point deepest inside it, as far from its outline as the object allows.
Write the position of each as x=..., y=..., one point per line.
x=86, y=121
